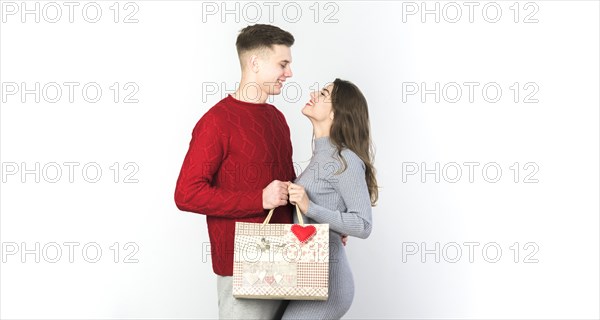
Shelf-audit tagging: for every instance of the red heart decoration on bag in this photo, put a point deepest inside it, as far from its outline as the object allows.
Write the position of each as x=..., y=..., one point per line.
x=303, y=233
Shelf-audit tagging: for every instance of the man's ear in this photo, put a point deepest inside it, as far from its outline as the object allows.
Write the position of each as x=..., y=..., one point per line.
x=254, y=63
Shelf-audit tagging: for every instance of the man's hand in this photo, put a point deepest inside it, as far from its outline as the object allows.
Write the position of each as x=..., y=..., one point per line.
x=275, y=194
x=344, y=239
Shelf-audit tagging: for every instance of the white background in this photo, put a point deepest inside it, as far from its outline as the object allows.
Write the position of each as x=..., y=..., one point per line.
x=174, y=57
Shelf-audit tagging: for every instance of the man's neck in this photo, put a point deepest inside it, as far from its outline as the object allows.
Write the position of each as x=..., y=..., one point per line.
x=250, y=92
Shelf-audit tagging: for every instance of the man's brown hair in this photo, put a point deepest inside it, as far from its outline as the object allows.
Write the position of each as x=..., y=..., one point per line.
x=260, y=36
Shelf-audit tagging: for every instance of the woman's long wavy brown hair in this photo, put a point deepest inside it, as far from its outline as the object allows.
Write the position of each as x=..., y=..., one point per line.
x=351, y=129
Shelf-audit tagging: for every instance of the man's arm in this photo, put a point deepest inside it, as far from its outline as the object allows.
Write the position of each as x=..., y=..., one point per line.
x=195, y=191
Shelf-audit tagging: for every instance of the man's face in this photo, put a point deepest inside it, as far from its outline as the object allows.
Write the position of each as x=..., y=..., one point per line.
x=274, y=69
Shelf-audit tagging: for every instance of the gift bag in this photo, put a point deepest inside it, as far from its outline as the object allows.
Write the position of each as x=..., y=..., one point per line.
x=281, y=261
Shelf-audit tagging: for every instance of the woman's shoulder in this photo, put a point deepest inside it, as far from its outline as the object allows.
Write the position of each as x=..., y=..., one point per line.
x=353, y=161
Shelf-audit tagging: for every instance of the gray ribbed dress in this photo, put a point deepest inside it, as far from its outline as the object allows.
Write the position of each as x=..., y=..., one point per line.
x=342, y=201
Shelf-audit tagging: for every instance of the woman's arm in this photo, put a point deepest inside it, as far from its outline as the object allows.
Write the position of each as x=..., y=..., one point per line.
x=351, y=185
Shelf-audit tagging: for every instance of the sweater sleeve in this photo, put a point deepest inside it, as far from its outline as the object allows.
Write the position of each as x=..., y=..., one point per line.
x=352, y=187
x=195, y=191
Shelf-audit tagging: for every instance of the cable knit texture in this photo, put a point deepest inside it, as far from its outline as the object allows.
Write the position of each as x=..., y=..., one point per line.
x=341, y=200
x=237, y=148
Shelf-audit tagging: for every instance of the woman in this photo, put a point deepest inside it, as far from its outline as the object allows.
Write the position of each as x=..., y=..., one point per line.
x=338, y=187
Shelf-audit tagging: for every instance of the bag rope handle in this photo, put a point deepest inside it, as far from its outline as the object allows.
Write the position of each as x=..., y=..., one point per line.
x=271, y=214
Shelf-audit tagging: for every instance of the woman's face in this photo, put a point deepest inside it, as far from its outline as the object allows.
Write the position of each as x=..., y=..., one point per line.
x=319, y=108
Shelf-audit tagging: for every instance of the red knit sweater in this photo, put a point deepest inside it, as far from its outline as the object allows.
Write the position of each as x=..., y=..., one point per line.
x=237, y=149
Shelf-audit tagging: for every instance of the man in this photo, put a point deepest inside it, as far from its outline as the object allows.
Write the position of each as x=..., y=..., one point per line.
x=239, y=162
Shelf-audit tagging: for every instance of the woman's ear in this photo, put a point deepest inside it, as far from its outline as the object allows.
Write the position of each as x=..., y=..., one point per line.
x=331, y=115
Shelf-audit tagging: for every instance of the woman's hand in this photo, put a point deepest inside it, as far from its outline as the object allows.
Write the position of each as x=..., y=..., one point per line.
x=297, y=195
x=344, y=239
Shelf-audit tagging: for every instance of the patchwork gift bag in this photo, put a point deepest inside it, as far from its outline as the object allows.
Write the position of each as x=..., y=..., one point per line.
x=281, y=261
